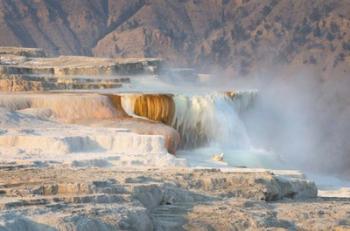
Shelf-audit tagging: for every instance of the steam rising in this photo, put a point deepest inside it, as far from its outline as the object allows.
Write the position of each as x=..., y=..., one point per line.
x=209, y=119
x=302, y=116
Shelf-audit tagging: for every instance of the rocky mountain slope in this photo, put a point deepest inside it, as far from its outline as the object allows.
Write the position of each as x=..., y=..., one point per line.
x=233, y=34
x=236, y=36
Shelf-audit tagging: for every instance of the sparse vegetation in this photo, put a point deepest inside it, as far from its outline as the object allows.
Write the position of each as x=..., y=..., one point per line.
x=346, y=46
x=317, y=32
x=238, y=33
x=315, y=14
x=178, y=29
x=266, y=10
x=334, y=27
x=330, y=36
x=312, y=60
x=221, y=50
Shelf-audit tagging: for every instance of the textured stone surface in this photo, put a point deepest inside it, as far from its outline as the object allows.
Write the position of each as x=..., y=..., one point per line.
x=24, y=69
x=26, y=52
x=58, y=197
x=54, y=111
x=233, y=214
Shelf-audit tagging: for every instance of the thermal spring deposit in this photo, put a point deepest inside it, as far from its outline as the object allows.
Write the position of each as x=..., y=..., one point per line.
x=131, y=144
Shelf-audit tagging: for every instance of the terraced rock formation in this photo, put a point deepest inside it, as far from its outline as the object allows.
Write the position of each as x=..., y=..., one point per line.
x=61, y=198
x=24, y=69
x=28, y=70
x=58, y=112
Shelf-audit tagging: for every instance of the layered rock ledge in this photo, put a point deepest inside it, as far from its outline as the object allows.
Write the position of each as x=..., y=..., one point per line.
x=58, y=118
x=22, y=52
x=63, y=198
x=27, y=69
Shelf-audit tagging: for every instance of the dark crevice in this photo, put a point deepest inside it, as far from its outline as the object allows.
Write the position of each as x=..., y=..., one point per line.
x=105, y=7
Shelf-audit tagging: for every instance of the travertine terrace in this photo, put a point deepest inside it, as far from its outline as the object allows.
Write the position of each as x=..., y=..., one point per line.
x=29, y=70
x=73, y=157
x=66, y=197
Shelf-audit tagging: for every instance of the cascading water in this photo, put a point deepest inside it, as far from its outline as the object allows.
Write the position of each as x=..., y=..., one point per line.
x=128, y=104
x=207, y=120
x=208, y=124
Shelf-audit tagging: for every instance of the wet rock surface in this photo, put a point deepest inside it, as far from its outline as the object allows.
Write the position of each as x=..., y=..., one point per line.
x=59, y=197
x=78, y=161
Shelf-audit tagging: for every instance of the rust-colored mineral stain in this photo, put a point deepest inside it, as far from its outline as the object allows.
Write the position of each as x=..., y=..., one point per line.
x=231, y=94
x=159, y=108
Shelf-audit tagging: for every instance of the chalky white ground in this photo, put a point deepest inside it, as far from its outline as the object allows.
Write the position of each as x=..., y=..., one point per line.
x=57, y=176
x=30, y=136
x=25, y=137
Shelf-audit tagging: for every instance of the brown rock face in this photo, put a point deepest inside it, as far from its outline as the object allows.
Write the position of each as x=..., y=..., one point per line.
x=231, y=34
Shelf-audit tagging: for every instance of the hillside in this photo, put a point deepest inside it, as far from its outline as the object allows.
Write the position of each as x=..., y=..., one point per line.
x=231, y=34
